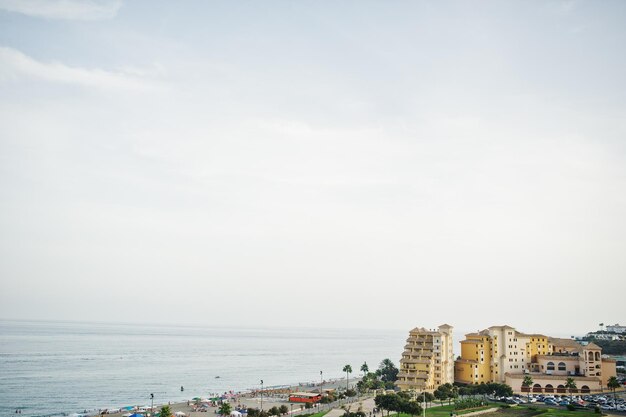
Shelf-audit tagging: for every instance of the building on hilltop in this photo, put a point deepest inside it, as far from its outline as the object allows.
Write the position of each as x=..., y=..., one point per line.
x=504, y=355
x=428, y=359
x=616, y=328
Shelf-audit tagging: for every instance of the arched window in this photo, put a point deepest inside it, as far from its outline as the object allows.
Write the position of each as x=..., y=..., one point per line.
x=549, y=388
x=585, y=389
x=560, y=388
x=550, y=366
x=597, y=356
x=561, y=366
x=590, y=356
x=536, y=388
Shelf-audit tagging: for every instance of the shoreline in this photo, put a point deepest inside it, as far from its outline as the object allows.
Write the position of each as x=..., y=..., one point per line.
x=275, y=395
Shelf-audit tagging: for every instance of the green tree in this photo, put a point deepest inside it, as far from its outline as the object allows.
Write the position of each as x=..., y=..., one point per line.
x=253, y=412
x=365, y=369
x=273, y=411
x=348, y=370
x=225, y=409
x=429, y=397
x=410, y=407
x=527, y=383
x=570, y=384
x=387, y=402
x=283, y=409
x=445, y=392
x=166, y=411
x=613, y=384
x=387, y=371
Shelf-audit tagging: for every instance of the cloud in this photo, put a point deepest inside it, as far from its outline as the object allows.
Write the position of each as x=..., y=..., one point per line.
x=64, y=9
x=14, y=65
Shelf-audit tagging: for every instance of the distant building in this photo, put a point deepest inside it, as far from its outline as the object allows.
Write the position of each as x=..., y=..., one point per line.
x=428, y=359
x=616, y=328
x=604, y=336
x=502, y=354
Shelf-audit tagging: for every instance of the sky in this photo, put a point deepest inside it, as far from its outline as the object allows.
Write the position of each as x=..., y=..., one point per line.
x=353, y=164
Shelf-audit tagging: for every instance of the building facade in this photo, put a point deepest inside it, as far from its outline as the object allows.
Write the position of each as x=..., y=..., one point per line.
x=428, y=359
x=616, y=328
x=486, y=356
x=504, y=355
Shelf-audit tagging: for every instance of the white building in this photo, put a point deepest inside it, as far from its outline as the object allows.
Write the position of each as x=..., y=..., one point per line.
x=616, y=328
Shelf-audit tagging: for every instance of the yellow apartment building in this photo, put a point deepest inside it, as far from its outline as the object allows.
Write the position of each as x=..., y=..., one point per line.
x=504, y=355
x=428, y=359
x=486, y=356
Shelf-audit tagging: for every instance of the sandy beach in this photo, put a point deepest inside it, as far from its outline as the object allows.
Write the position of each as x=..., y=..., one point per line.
x=272, y=397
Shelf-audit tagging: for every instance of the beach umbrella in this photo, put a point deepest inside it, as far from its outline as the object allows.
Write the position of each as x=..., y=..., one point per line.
x=235, y=413
x=180, y=414
x=136, y=415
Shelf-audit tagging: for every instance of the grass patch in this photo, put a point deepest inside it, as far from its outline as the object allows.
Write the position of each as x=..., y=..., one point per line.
x=445, y=410
x=320, y=414
x=554, y=412
x=518, y=411
x=532, y=411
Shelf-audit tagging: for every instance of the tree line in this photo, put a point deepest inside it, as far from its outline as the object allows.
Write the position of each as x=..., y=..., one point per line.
x=400, y=402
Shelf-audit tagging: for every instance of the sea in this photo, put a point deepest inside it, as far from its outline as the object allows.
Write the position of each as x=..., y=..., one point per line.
x=58, y=368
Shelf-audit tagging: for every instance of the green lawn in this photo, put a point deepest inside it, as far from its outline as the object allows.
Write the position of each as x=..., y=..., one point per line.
x=445, y=410
x=518, y=411
x=320, y=414
x=563, y=412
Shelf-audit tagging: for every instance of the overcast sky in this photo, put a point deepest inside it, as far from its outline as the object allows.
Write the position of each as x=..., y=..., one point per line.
x=364, y=164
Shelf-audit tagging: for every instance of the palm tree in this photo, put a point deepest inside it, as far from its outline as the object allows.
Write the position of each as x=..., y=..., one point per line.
x=528, y=382
x=613, y=384
x=570, y=384
x=225, y=409
x=166, y=411
x=365, y=369
x=348, y=370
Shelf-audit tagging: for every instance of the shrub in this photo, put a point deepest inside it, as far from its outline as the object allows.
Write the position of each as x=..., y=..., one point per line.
x=468, y=403
x=505, y=406
x=596, y=409
x=571, y=407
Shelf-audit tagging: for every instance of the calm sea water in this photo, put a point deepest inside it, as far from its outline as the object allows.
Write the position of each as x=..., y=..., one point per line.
x=49, y=369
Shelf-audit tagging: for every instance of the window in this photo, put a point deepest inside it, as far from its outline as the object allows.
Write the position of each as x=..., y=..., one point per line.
x=562, y=366
x=550, y=366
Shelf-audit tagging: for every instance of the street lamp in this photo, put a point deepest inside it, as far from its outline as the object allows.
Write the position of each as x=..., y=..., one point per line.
x=291, y=409
x=261, y=395
x=151, y=402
